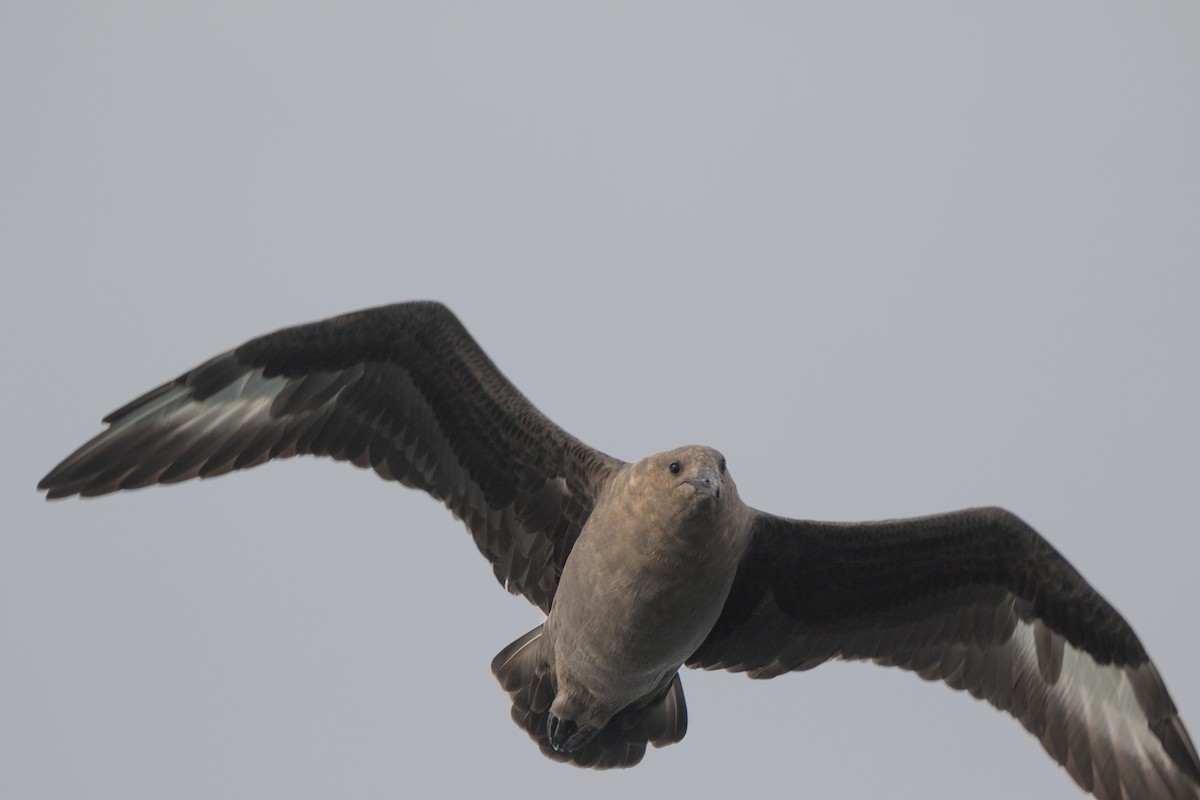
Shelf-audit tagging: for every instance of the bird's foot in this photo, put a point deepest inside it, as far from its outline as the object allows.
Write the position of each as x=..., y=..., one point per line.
x=565, y=736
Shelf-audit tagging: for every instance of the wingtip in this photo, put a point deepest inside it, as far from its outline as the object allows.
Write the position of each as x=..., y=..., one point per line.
x=53, y=489
x=48, y=485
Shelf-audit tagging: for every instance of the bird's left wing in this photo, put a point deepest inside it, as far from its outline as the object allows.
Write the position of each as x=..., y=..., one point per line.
x=979, y=600
x=402, y=389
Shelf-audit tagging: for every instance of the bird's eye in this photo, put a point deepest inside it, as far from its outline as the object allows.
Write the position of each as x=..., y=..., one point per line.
x=722, y=466
x=674, y=467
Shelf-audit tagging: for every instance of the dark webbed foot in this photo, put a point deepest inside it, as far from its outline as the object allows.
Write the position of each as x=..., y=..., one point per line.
x=565, y=736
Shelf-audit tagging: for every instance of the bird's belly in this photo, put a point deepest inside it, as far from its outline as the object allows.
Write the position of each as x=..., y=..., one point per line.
x=621, y=634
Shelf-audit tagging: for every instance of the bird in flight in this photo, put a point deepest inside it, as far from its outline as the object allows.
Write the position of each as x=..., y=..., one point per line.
x=642, y=568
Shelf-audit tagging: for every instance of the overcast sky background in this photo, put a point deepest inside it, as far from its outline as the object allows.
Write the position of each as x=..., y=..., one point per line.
x=890, y=258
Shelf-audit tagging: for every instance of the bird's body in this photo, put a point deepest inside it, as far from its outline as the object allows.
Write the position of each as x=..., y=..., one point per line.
x=644, y=585
x=646, y=566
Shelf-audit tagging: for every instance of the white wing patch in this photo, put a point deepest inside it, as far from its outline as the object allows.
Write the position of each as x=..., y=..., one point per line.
x=184, y=437
x=1096, y=720
x=1093, y=722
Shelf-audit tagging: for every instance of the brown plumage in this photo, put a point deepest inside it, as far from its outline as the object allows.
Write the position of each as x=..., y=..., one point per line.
x=644, y=567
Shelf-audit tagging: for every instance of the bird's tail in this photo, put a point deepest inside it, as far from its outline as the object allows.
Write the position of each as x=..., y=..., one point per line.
x=524, y=672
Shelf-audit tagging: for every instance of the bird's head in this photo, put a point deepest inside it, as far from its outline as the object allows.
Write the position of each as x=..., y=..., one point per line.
x=696, y=478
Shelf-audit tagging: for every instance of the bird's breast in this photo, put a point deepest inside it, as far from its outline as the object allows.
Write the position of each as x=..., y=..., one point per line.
x=633, y=604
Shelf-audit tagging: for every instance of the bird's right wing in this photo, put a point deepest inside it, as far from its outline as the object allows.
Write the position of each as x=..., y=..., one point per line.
x=403, y=389
x=979, y=600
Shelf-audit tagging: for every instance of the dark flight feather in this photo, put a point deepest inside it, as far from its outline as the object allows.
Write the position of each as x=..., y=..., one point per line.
x=403, y=389
x=978, y=600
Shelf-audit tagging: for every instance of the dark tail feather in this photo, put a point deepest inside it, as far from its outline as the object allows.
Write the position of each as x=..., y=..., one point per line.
x=666, y=721
x=525, y=674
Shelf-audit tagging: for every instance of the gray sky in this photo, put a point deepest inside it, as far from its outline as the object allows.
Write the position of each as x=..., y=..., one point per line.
x=939, y=256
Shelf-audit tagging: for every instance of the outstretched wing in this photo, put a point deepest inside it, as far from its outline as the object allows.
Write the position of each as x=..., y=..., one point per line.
x=979, y=600
x=403, y=389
